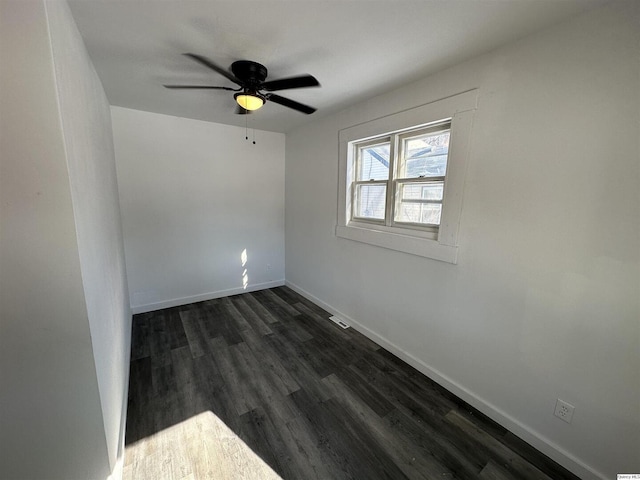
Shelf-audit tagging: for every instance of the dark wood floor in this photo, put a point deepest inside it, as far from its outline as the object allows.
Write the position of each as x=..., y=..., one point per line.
x=268, y=371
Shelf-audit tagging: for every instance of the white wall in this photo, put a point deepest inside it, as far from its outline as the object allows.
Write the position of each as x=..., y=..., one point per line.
x=544, y=300
x=195, y=195
x=65, y=316
x=86, y=124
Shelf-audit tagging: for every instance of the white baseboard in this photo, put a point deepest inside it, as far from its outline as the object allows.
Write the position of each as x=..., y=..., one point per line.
x=118, y=469
x=525, y=432
x=175, y=302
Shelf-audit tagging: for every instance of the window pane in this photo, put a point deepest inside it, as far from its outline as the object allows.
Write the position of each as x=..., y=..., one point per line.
x=370, y=201
x=425, y=155
x=423, y=191
x=373, y=162
x=425, y=213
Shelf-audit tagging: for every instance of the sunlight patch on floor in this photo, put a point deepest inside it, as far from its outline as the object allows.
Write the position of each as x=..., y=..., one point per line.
x=201, y=447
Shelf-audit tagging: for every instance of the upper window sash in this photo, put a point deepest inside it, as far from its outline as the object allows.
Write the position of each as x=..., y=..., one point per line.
x=433, y=156
x=377, y=154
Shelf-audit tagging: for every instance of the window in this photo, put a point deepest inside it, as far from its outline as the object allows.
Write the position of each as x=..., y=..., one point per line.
x=401, y=178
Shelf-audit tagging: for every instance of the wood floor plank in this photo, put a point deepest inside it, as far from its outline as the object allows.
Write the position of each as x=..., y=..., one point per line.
x=364, y=451
x=293, y=297
x=141, y=388
x=422, y=389
x=491, y=471
x=427, y=422
x=313, y=355
x=270, y=362
x=541, y=461
x=280, y=310
x=295, y=329
x=427, y=442
x=193, y=330
x=260, y=383
x=241, y=322
x=423, y=420
x=402, y=449
x=286, y=294
x=183, y=368
x=225, y=453
x=366, y=392
x=304, y=443
x=159, y=341
x=140, y=343
x=139, y=423
x=498, y=451
x=252, y=432
x=263, y=385
x=218, y=320
x=362, y=342
x=327, y=326
x=163, y=380
x=279, y=440
x=235, y=379
x=252, y=318
x=215, y=391
x=259, y=309
x=334, y=440
x=277, y=300
x=296, y=363
x=328, y=333
x=177, y=337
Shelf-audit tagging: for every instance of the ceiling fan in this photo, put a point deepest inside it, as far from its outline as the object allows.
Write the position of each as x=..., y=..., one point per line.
x=253, y=91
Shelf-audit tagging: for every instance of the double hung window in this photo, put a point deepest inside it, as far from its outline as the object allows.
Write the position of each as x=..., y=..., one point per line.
x=400, y=178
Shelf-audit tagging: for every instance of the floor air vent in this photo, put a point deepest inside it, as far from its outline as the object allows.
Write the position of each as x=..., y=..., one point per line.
x=340, y=322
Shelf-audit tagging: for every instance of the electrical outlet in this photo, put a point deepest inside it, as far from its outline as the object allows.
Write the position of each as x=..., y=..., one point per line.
x=564, y=410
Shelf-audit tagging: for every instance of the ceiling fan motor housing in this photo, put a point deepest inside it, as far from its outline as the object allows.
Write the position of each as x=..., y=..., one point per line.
x=251, y=73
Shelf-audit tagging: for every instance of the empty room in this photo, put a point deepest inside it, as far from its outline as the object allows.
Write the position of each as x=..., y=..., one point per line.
x=319, y=239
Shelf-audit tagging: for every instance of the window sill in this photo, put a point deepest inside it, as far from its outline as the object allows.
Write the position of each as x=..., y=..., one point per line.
x=401, y=242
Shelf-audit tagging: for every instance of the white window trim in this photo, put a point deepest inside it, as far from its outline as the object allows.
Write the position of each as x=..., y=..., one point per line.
x=460, y=109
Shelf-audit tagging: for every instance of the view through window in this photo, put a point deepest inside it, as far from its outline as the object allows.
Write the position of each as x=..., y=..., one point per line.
x=400, y=178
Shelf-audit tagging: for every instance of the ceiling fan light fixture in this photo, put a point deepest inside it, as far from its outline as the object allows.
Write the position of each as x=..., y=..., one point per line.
x=249, y=100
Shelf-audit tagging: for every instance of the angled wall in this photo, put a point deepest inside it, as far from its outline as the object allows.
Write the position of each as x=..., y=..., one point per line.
x=64, y=304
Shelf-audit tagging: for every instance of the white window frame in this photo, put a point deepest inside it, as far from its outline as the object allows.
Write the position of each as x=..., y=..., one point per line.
x=439, y=243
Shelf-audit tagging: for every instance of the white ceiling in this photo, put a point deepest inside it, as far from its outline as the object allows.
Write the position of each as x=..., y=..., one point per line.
x=356, y=49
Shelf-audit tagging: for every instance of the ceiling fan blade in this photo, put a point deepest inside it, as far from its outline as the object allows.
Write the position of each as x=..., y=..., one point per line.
x=290, y=103
x=207, y=87
x=209, y=64
x=293, y=82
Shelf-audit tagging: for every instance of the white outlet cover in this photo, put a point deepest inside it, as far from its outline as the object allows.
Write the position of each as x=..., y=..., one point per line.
x=564, y=410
